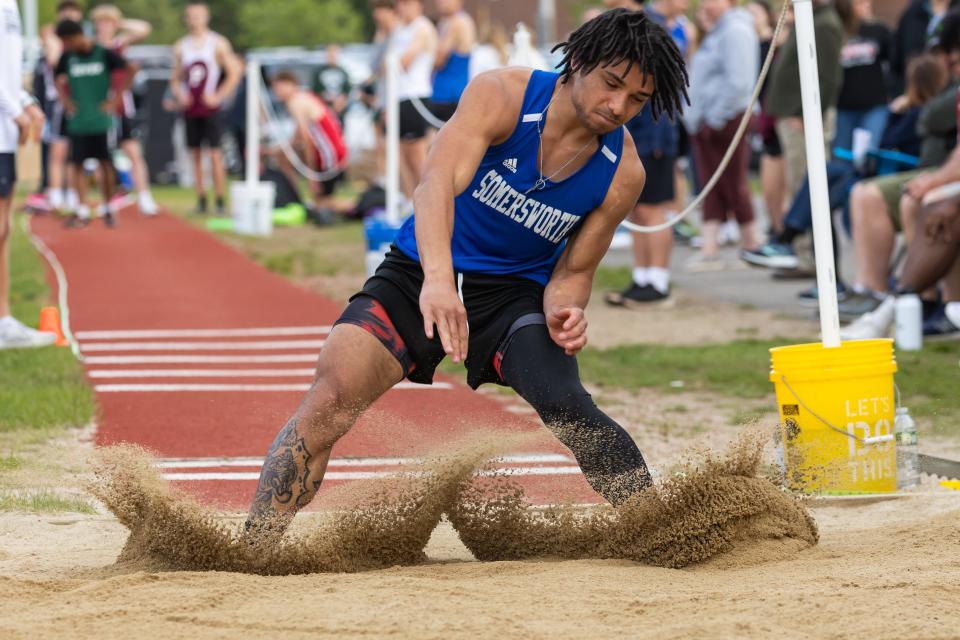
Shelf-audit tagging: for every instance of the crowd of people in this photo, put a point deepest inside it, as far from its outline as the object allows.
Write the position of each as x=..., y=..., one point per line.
x=890, y=114
x=889, y=100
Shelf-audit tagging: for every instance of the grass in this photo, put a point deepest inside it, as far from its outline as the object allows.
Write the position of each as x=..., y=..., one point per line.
x=44, y=501
x=927, y=379
x=336, y=251
x=39, y=388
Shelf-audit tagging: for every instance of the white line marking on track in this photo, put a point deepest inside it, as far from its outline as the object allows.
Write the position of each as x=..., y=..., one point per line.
x=373, y=475
x=201, y=373
x=207, y=463
x=203, y=333
x=196, y=359
x=170, y=388
x=201, y=346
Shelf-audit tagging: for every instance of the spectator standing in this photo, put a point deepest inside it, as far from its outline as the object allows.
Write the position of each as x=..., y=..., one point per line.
x=771, y=154
x=116, y=33
x=201, y=59
x=414, y=41
x=865, y=58
x=457, y=39
x=61, y=190
x=657, y=143
x=722, y=75
x=15, y=123
x=332, y=82
x=912, y=35
x=84, y=80
x=783, y=95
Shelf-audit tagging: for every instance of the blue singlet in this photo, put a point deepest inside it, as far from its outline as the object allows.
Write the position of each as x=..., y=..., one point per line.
x=500, y=225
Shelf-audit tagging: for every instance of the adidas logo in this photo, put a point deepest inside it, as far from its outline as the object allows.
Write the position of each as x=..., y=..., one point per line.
x=511, y=163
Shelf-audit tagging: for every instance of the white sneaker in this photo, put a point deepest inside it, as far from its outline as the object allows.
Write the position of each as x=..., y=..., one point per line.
x=148, y=206
x=872, y=325
x=729, y=233
x=14, y=335
x=72, y=201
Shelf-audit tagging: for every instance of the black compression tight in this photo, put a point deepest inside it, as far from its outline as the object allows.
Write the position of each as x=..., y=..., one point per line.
x=536, y=368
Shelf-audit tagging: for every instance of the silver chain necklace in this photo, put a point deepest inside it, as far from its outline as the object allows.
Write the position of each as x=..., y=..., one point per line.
x=541, y=182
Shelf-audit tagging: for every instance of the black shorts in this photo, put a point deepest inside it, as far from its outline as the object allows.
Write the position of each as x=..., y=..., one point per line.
x=328, y=186
x=89, y=146
x=124, y=129
x=388, y=307
x=8, y=174
x=443, y=110
x=660, y=185
x=771, y=144
x=413, y=126
x=207, y=130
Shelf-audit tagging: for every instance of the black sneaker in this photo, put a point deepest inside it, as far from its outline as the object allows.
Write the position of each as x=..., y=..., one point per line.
x=109, y=219
x=939, y=327
x=636, y=297
x=773, y=255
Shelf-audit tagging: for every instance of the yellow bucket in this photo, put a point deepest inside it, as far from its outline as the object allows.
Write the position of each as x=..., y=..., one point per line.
x=836, y=416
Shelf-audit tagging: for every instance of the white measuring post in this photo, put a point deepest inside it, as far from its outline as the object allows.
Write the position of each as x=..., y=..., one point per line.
x=817, y=172
x=393, y=137
x=31, y=39
x=253, y=124
x=251, y=201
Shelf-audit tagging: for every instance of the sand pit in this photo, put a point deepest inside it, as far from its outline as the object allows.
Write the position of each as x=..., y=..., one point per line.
x=706, y=508
x=881, y=569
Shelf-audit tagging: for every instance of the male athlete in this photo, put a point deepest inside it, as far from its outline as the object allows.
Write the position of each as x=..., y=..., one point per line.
x=205, y=73
x=317, y=136
x=521, y=195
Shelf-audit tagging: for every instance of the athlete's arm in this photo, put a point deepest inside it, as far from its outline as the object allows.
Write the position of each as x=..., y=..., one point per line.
x=62, y=81
x=176, y=78
x=300, y=112
x=133, y=31
x=487, y=115
x=232, y=69
x=419, y=44
x=569, y=288
x=451, y=39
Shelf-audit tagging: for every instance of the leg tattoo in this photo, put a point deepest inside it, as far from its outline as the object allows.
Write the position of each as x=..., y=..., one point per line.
x=284, y=479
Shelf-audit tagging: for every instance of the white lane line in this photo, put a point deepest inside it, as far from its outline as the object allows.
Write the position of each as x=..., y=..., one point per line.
x=192, y=359
x=207, y=463
x=201, y=373
x=373, y=475
x=258, y=345
x=172, y=388
x=203, y=333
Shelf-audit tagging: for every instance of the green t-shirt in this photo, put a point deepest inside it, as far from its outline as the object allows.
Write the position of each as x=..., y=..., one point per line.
x=89, y=77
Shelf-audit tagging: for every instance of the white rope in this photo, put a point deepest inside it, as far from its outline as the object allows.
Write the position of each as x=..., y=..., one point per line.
x=744, y=121
x=54, y=263
x=426, y=114
x=288, y=151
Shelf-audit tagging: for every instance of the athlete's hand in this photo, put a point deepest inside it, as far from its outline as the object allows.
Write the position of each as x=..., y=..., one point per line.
x=23, y=127
x=69, y=106
x=212, y=100
x=568, y=328
x=441, y=306
x=185, y=101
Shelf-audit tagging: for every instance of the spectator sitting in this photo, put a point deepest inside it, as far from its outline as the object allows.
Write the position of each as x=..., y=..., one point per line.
x=926, y=78
x=879, y=208
x=932, y=255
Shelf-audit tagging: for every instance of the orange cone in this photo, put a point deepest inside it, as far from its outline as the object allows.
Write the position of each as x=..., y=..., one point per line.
x=50, y=323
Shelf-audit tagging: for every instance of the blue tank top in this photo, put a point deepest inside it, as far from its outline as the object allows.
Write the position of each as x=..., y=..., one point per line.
x=500, y=225
x=450, y=81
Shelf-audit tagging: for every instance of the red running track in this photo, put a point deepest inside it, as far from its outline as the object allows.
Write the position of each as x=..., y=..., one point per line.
x=199, y=354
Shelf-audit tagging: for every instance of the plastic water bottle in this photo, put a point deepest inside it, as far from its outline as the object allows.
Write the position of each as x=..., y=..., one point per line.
x=909, y=319
x=908, y=463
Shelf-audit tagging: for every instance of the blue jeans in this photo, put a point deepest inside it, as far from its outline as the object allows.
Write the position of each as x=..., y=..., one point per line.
x=841, y=177
x=873, y=120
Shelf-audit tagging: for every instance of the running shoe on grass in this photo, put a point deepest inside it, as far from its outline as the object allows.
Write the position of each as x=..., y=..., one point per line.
x=15, y=335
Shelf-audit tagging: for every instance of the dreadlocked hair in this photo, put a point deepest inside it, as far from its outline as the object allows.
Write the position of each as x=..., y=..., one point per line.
x=621, y=35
